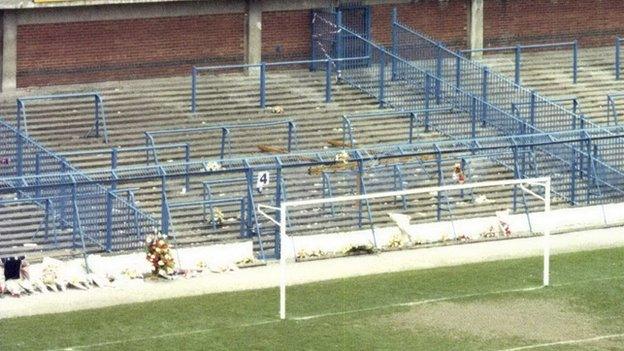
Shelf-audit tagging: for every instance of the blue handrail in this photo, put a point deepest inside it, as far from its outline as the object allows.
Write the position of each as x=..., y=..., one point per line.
x=99, y=119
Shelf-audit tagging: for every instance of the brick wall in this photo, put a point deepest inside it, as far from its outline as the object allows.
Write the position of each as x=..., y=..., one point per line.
x=286, y=35
x=593, y=23
x=125, y=49
x=441, y=20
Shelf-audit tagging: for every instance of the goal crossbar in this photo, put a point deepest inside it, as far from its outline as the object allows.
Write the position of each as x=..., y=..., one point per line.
x=544, y=182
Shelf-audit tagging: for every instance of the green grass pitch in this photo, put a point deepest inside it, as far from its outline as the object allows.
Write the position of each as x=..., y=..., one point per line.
x=471, y=307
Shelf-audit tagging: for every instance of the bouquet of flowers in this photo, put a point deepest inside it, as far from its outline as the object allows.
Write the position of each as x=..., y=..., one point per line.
x=159, y=256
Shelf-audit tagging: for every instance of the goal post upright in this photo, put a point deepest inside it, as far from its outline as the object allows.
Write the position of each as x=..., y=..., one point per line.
x=544, y=182
x=282, y=235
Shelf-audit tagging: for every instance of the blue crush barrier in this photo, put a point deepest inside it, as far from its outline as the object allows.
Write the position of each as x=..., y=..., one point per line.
x=618, y=53
x=99, y=114
x=94, y=213
x=612, y=113
x=330, y=65
x=584, y=164
x=485, y=98
x=519, y=49
x=224, y=133
x=477, y=79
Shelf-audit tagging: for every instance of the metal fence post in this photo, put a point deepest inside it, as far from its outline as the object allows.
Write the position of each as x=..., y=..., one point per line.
x=193, y=89
x=412, y=117
x=532, y=110
x=75, y=228
x=224, y=136
x=249, y=173
x=109, y=221
x=114, y=152
x=313, y=35
x=37, y=172
x=339, y=43
x=458, y=60
x=438, y=72
x=19, y=157
x=617, y=57
x=395, y=42
x=164, y=210
x=484, y=94
x=47, y=218
x=440, y=182
x=573, y=167
x=328, y=80
x=98, y=102
x=187, y=160
x=20, y=112
x=473, y=118
x=518, y=59
x=382, y=79
x=263, y=85
x=291, y=129
x=427, y=87
x=575, y=61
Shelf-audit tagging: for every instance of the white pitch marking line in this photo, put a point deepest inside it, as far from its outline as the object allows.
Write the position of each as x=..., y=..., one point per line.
x=565, y=342
x=303, y=318
x=182, y=333
x=413, y=303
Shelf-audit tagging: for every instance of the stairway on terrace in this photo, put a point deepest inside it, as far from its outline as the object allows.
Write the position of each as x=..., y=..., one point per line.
x=550, y=74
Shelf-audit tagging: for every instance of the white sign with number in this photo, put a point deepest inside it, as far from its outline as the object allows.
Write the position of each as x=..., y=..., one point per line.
x=263, y=180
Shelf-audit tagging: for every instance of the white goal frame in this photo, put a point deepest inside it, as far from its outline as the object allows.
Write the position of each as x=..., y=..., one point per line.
x=544, y=182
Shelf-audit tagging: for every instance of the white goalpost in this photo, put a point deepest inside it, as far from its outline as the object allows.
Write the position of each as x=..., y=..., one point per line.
x=289, y=208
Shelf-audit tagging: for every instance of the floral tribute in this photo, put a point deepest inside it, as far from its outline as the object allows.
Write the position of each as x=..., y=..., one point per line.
x=159, y=256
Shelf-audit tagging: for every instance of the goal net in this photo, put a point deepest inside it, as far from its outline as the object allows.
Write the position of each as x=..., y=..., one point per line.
x=348, y=221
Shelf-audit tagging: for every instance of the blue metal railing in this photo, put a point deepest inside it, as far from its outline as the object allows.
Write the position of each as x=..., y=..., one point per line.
x=225, y=132
x=101, y=211
x=330, y=66
x=554, y=154
x=519, y=49
x=618, y=63
x=412, y=116
x=99, y=114
x=483, y=95
x=612, y=112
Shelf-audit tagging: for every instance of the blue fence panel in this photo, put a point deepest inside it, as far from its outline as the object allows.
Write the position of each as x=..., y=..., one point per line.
x=100, y=215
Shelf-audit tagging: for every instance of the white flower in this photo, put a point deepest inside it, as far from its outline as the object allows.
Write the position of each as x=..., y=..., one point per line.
x=343, y=157
x=212, y=166
x=161, y=263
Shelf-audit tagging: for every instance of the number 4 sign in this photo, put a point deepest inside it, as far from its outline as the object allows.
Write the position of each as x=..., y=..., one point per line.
x=263, y=180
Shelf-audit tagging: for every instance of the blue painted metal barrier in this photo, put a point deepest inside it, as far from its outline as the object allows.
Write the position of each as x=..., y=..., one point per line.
x=618, y=63
x=519, y=48
x=225, y=132
x=330, y=65
x=99, y=211
x=99, y=114
x=612, y=111
x=480, y=92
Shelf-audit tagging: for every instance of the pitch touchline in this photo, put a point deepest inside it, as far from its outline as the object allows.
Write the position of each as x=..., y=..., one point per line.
x=565, y=342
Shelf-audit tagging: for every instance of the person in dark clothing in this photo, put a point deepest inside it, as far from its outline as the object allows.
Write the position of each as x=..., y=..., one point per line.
x=15, y=267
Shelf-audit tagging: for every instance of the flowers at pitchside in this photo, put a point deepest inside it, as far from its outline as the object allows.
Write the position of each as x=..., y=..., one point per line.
x=158, y=254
